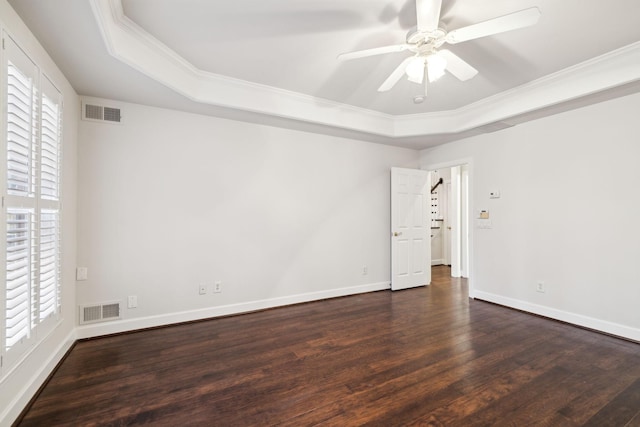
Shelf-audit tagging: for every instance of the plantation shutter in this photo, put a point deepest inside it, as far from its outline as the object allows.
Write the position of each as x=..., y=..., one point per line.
x=49, y=190
x=20, y=274
x=20, y=239
x=31, y=200
x=50, y=142
x=49, y=265
x=21, y=107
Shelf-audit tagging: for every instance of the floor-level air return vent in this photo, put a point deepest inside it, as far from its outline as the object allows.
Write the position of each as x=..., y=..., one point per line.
x=99, y=312
x=101, y=113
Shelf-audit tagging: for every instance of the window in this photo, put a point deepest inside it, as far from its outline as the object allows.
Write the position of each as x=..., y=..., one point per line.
x=31, y=202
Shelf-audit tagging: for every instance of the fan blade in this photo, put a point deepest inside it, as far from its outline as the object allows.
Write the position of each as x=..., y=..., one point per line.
x=395, y=75
x=512, y=21
x=457, y=66
x=428, y=12
x=372, y=52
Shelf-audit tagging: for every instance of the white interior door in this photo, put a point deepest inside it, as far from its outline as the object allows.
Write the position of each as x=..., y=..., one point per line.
x=410, y=228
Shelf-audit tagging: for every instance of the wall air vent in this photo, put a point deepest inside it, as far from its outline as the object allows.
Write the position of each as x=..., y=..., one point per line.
x=101, y=113
x=99, y=312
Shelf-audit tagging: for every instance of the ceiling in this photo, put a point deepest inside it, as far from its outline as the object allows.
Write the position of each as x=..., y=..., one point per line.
x=274, y=61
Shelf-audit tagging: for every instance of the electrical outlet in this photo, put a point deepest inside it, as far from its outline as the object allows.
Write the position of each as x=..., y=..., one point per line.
x=202, y=289
x=540, y=287
x=365, y=270
x=82, y=273
x=217, y=287
x=132, y=301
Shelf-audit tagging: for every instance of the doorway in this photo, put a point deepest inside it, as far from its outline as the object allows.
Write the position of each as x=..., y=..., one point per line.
x=449, y=218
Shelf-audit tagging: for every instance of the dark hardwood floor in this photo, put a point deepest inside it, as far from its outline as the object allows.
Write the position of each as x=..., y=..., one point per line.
x=426, y=356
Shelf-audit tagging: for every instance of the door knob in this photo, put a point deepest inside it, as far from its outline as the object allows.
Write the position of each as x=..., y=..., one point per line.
x=396, y=233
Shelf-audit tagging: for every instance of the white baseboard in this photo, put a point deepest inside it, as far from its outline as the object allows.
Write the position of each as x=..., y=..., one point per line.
x=564, y=316
x=22, y=397
x=437, y=262
x=125, y=325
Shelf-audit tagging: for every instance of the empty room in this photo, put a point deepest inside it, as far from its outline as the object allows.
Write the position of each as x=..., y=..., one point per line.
x=400, y=212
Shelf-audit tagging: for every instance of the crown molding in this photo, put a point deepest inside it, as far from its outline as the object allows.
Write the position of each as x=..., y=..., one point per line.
x=129, y=43
x=605, y=72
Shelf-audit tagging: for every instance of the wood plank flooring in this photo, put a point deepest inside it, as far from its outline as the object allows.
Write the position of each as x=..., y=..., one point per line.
x=426, y=356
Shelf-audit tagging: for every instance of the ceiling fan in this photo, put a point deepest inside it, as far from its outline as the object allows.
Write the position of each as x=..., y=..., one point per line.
x=429, y=62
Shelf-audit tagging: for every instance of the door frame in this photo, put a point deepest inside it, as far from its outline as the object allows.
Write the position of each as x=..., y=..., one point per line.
x=470, y=208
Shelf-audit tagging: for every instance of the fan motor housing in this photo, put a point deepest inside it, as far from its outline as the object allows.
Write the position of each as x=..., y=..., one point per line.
x=428, y=39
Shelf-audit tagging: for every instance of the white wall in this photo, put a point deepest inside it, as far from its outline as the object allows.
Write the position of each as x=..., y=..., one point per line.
x=169, y=200
x=18, y=383
x=569, y=214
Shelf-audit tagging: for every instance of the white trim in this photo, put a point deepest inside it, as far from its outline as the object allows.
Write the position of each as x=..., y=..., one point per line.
x=94, y=330
x=129, y=43
x=455, y=216
x=564, y=316
x=22, y=397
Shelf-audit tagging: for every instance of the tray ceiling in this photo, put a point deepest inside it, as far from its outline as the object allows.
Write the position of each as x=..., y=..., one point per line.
x=275, y=62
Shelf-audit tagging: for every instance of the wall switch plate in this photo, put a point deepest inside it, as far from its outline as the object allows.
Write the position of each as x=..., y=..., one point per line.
x=82, y=273
x=202, y=289
x=494, y=194
x=365, y=270
x=132, y=301
x=217, y=287
x=540, y=287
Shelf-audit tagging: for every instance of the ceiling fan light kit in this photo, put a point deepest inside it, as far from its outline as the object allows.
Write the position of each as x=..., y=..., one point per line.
x=436, y=66
x=429, y=62
x=415, y=69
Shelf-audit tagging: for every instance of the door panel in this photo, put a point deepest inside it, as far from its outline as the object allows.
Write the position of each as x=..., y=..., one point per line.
x=410, y=228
